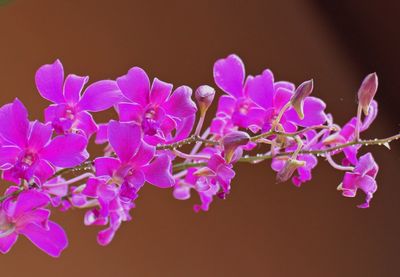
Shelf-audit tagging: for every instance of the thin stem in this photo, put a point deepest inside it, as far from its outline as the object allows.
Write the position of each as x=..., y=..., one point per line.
x=337, y=166
x=200, y=124
x=259, y=158
x=271, y=132
x=76, y=179
x=183, y=142
x=358, y=123
x=198, y=144
x=279, y=117
x=189, y=156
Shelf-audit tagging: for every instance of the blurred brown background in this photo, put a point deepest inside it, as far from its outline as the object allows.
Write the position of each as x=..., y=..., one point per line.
x=262, y=229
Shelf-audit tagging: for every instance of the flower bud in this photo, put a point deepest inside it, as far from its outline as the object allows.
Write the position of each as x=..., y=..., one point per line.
x=302, y=91
x=289, y=168
x=204, y=96
x=232, y=141
x=367, y=91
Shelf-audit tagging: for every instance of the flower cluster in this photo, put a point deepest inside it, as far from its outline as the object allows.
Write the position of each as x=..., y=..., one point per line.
x=47, y=164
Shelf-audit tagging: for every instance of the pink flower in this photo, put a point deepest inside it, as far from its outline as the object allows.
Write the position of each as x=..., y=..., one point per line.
x=362, y=177
x=155, y=109
x=29, y=151
x=70, y=111
x=26, y=216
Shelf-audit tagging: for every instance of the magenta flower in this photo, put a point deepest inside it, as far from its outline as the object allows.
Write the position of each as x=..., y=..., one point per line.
x=207, y=181
x=70, y=111
x=155, y=109
x=27, y=216
x=29, y=152
x=255, y=102
x=120, y=179
x=303, y=172
x=362, y=177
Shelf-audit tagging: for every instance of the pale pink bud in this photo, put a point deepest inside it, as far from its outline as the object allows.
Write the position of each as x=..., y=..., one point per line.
x=232, y=141
x=367, y=91
x=289, y=168
x=204, y=96
x=302, y=91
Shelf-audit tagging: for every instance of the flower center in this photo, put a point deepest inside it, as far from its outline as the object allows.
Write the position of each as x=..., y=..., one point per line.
x=69, y=113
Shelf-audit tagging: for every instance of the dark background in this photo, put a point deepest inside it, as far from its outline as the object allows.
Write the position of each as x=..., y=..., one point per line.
x=262, y=229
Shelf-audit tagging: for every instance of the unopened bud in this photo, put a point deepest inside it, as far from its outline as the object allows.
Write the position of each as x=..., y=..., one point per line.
x=302, y=91
x=288, y=169
x=232, y=141
x=367, y=91
x=204, y=96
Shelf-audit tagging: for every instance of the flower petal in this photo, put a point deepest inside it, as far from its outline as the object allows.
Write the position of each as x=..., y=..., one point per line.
x=8, y=156
x=14, y=123
x=7, y=242
x=52, y=240
x=66, y=151
x=100, y=96
x=30, y=200
x=159, y=91
x=130, y=112
x=73, y=87
x=261, y=89
x=229, y=75
x=158, y=172
x=101, y=135
x=86, y=123
x=135, y=86
x=180, y=104
x=144, y=155
x=40, y=135
x=106, y=166
x=313, y=113
x=124, y=138
x=49, y=80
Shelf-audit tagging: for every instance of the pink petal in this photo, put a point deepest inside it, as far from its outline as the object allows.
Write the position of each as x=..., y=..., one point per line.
x=100, y=96
x=226, y=104
x=158, y=172
x=229, y=75
x=30, y=200
x=73, y=87
x=7, y=242
x=40, y=135
x=184, y=128
x=135, y=86
x=101, y=135
x=8, y=156
x=38, y=216
x=159, y=91
x=180, y=104
x=313, y=113
x=66, y=151
x=14, y=123
x=105, y=236
x=261, y=89
x=106, y=166
x=49, y=80
x=130, y=112
x=43, y=171
x=367, y=166
x=282, y=96
x=124, y=138
x=144, y=155
x=52, y=240
x=86, y=123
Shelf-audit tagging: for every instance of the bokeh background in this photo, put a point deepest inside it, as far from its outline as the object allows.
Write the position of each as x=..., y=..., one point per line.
x=263, y=228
